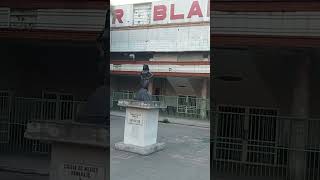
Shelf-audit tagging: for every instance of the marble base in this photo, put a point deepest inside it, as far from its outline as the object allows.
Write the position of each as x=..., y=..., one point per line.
x=147, y=150
x=79, y=151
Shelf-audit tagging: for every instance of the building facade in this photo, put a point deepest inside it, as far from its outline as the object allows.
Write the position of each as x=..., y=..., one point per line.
x=48, y=63
x=267, y=116
x=173, y=38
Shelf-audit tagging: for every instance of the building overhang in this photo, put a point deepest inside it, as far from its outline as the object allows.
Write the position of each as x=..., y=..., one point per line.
x=162, y=69
x=244, y=41
x=265, y=6
x=61, y=35
x=162, y=74
x=53, y=24
x=55, y=4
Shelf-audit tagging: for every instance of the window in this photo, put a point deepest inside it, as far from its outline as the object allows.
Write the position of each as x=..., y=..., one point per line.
x=141, y=14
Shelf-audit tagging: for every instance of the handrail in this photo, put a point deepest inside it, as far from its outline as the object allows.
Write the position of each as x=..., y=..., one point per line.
x=142, y=104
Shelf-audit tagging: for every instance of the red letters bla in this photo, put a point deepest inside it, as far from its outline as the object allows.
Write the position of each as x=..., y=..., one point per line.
x=195, y=10
x=159, y=12
x=174, y=16
x=118, y=14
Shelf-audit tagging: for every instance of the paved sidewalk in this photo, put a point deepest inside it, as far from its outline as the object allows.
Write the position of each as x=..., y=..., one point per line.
x=4, y=175
x=186, y=157
x=189, y=122
x=27, y=164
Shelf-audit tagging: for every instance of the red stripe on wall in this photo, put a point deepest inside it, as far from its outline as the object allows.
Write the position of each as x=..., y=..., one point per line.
x=265, y=6
x=222, y=40
x=48, y=35
x=162, y=74
x=59, y=4
x=194, y=62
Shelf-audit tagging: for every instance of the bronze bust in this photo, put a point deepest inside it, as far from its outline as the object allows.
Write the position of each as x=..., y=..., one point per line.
x=145, y=76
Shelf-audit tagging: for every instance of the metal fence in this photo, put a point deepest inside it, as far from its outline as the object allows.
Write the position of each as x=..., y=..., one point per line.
x=16, y=112
x=183, y=107
x=258, y=143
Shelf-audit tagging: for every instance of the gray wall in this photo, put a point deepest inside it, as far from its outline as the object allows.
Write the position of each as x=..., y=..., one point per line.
x=29, y=69
x=269, y=77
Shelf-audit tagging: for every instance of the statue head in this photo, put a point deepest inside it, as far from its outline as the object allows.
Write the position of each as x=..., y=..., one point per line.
x=145, y=67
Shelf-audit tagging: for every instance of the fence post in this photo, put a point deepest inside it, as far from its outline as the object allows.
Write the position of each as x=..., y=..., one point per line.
x=214, y=136
x=299, y=129
x=245, y=136
x=203, y=103
x=203, y=108
x=111, y=100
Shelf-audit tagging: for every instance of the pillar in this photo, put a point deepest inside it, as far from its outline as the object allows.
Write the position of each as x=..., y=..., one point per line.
x=299, y=129
x=204, y=92
x=150, y=87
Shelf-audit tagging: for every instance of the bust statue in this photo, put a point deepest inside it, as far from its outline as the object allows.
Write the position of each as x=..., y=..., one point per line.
x=145, y=76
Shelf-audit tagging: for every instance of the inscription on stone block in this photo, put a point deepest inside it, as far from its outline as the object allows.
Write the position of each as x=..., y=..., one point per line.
x=82, y=172
x=135, y=118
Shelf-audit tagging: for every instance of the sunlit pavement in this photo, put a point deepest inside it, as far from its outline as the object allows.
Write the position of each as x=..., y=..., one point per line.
x=186, y=156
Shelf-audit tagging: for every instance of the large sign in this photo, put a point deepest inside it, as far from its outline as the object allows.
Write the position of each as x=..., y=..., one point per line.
x=161, y=12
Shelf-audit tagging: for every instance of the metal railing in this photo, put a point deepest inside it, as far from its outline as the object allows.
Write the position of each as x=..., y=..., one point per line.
x=180, y=107
x=246, y=144
x=16, y=112
x=142, y=104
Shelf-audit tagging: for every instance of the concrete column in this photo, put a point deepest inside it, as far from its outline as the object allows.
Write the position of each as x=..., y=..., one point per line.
x=111, y=98
x=204, y=92
x=112, y=88
x=150, y=87
x=300, y=108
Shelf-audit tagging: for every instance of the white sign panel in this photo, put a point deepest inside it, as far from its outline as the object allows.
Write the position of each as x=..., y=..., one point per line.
x=169, y=39
x=161, y=12
x=135, y=118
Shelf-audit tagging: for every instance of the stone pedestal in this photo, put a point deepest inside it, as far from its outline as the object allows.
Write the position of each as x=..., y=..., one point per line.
x=141, y=127
x=79, y=151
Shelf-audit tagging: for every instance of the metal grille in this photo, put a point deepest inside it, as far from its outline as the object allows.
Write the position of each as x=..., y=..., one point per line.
x=177, y=106
x=16, y=112
x=251, y=143
x=58, y=106
x=5, y=103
